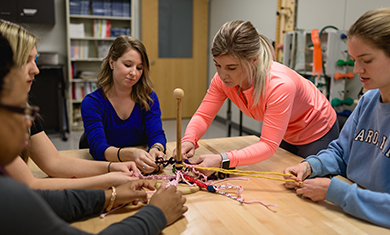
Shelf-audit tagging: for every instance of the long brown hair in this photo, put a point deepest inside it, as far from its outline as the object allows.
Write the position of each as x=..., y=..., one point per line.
x=373, y=27
x=143, y=88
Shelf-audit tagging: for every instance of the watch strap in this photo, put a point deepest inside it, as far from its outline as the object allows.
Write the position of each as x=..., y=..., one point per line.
x=225, y=161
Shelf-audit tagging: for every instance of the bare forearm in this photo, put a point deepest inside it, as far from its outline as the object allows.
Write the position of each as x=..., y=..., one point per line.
x=115, y=154
x=46, y=156
x=61, y=183
x=66, y=166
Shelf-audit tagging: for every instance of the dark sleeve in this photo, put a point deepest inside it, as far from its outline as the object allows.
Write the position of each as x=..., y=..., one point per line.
x=149, y=220
x=24, y=211
x=36, y=127
x=72, y=205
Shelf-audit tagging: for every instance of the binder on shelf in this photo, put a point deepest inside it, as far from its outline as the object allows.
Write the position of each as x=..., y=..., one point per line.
x=101, y=28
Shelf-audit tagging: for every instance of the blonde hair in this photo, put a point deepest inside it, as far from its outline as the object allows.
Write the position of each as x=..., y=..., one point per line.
x=241, y=40
x=144, y=87
x=21, y=41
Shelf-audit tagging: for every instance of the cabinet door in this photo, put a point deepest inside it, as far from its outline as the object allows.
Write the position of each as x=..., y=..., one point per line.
x=36, y=12
x=168, y=73
x=8, y=10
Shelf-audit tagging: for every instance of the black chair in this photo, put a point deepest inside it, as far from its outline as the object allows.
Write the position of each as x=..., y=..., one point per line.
x=83, y=142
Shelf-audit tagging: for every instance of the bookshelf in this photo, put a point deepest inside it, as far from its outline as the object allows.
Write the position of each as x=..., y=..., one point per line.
x=92, y=25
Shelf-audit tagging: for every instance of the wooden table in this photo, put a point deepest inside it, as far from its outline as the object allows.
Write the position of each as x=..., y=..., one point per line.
x=210, y=213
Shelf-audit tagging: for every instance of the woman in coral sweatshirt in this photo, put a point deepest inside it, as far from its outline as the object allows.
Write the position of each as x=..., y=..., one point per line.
x=294, y=113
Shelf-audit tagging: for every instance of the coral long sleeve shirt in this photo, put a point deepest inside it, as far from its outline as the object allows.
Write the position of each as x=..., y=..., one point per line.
x=292, y=109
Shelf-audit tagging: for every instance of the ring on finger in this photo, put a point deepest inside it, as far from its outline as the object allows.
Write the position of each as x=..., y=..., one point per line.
x=303, y=195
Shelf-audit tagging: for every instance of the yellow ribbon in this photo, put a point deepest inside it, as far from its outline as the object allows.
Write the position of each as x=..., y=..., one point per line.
x=256, y=174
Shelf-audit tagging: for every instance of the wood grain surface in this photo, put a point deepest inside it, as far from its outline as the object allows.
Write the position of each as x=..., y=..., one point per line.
x=211, y=213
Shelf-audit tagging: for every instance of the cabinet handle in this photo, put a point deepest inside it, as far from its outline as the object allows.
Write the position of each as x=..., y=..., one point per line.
x=28, y=12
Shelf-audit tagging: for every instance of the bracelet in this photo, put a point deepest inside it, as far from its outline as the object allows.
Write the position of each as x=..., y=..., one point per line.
x=158, y=146
x=118, y=154
x=108, y=168
x=112, y=200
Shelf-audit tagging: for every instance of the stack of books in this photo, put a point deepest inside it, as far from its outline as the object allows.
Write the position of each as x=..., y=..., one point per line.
x=121, y=8
x=115, y=32
x=101, y=8
x=79, y=7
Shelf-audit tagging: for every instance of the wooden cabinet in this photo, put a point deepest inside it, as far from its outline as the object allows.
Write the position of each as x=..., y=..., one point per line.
x=92, y=26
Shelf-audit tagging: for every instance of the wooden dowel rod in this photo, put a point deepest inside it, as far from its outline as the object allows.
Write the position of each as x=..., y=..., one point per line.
x=178, y=94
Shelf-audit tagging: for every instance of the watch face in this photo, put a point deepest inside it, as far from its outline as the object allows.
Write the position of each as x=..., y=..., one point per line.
x=226, y=164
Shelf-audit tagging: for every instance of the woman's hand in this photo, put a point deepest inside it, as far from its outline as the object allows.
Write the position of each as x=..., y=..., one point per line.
x=124, y=167
x=170, y=201
x=155, y=153
x=144, y=161
x=301, y=172
x=315, y=189
x=117, y=178
x=131, y=192
x=212, y=160
x=187, y=150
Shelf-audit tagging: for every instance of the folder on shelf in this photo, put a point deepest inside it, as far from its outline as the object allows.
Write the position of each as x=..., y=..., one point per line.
x=76, y=30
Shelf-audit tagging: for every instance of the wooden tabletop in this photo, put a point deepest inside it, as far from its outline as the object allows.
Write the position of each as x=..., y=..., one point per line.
x=210, y=213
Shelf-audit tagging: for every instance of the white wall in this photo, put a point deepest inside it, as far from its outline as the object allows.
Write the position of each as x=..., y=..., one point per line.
x=52, y=38
x=311, y=14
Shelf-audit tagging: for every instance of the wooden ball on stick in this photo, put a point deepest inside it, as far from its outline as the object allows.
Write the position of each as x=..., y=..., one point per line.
x=178, y=93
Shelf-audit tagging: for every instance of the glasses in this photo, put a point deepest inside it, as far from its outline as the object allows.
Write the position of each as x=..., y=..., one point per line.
x=31, y=112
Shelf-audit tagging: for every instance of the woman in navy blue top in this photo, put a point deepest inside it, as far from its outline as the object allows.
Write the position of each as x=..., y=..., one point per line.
x=124, y=111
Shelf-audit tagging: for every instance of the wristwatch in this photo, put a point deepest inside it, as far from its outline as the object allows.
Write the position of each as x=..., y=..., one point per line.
x=225, y=161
